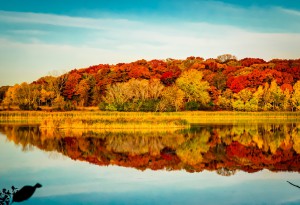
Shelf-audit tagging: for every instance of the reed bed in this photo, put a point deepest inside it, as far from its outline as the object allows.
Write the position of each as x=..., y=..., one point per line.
x=142, y=119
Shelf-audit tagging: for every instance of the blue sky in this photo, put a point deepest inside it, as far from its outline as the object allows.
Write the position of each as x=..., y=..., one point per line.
x=42, y=37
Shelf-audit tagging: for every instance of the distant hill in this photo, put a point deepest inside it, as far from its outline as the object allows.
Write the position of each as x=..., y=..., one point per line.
x=224, y=83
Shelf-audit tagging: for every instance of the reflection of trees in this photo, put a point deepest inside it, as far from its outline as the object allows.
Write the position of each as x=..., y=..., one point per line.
x=191, y=151
x=223, y=171
x=224, y=148
x=268, y=137
x=136, y=145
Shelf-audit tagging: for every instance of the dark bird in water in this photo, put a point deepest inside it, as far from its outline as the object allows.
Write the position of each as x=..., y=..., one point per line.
x=25, y=193
x=293, y=184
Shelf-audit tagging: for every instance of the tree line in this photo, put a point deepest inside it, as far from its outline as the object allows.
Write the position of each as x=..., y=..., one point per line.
x=223, y=83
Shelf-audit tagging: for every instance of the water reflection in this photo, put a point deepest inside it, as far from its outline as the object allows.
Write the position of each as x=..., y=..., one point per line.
x=221, y=148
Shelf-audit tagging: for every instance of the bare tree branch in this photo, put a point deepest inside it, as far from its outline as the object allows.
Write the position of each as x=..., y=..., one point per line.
x=293, y=184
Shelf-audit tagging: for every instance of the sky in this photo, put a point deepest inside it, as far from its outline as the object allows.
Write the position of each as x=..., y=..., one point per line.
x=39, y=38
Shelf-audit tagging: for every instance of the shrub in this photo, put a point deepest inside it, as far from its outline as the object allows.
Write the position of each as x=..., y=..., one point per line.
x=102, y=105
x=27, y=106
x=149, y=105
x=69, y=106
x=192, y=105
x=111, y=107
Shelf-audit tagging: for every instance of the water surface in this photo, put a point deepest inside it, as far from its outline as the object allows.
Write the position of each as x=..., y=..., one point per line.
x=207, y=164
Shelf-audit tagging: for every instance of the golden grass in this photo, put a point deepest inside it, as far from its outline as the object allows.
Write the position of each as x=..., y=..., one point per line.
x=141, y=120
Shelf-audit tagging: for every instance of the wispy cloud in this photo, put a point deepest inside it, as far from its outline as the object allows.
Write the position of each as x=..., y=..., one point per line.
x=252, y=17
x=65, y=21
x=28, y=32
x=44, y=42
x=290, y=11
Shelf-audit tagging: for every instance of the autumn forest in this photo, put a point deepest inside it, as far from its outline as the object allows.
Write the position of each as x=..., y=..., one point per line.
x=224, y=83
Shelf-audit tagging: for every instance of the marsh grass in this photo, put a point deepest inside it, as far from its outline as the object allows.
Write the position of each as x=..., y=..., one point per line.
x=140, y=120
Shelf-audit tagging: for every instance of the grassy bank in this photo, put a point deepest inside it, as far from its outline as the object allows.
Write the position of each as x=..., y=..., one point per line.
x=94, y=120
x=99, y=119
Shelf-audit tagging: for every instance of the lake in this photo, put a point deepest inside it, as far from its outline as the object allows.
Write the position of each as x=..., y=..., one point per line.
x=225, y=163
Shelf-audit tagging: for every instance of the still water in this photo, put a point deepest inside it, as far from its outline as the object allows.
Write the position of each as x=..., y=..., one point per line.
x=206, y=164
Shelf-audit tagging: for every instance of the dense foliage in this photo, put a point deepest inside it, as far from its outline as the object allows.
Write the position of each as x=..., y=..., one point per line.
x=225, y=83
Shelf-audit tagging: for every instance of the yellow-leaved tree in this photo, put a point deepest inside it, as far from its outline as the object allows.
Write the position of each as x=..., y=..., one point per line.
x=172, y=99
x=296, y=96
x=10, y=96
x=195, y=89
